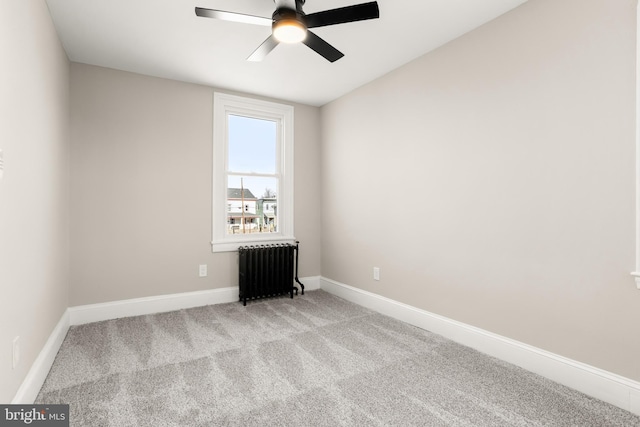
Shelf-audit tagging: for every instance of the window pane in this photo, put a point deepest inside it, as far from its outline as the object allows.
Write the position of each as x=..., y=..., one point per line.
x=252, y=144
x=252, y=205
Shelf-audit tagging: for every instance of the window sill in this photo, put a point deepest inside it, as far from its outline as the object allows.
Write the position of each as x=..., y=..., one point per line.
x=232, y=246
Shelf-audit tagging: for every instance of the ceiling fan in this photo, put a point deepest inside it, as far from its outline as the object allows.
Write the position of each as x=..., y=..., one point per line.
x=289, y=24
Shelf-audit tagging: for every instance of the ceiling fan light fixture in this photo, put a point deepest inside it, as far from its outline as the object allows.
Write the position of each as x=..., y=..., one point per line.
x=289, y=31
x=289, y=24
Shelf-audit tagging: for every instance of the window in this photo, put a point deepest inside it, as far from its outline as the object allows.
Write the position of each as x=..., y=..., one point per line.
x=252, y=172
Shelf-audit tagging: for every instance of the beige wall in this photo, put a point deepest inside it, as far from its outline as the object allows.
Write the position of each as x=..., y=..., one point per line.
x=141, y=187
x=492, y=181
x=34, y=196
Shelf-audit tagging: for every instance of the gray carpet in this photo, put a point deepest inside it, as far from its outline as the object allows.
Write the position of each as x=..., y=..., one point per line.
x=316, y=360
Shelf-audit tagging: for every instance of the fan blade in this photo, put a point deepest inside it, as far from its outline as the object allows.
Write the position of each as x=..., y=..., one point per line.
x=263, y=50
x=329, y=52
x=342, y=15
x=234, y=17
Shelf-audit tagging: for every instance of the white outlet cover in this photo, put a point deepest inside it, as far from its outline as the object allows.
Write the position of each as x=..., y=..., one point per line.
x=202, y=270
x=1, y=163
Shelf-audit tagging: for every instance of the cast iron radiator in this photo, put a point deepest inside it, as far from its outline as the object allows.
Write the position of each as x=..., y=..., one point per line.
x=268, y=271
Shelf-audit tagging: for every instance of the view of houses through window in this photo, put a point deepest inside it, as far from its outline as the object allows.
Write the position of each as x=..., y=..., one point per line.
x=248, y=213
x=252, y=177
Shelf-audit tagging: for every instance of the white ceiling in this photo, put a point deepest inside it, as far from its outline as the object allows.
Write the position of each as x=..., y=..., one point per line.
x=164, y=38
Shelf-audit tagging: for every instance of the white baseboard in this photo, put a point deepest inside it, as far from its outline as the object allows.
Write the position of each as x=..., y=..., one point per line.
x=149, y=305
x=32, y=383
x=606, y=386
x=311, y=283
x=635, y=402
x=162, y=303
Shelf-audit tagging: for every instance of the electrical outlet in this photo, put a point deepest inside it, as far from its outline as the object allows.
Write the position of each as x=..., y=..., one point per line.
x=16, y=351
x=202, y=271
x=376, y=273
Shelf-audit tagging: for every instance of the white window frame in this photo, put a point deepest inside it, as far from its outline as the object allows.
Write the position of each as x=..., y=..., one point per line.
x=223, y=106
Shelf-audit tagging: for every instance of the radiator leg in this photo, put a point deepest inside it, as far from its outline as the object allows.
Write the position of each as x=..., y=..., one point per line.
x=301, y=285
x=298, y=280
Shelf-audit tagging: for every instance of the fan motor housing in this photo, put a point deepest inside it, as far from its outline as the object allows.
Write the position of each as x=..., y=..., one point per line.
x=288, y=14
